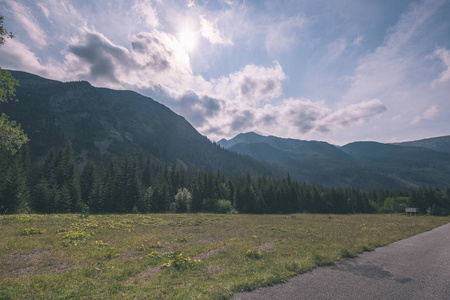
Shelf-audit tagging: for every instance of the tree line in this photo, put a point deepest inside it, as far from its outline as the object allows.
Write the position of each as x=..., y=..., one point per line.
x=127, y=185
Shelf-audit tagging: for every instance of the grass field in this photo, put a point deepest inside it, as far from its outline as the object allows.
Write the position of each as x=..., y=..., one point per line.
x=183, y=256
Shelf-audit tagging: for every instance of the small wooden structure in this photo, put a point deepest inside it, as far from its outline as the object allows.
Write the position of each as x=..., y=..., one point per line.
x=410, y=211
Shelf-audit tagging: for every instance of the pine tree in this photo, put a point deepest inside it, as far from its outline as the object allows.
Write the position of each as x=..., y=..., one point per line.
x=147, y=174
x=14, y=190
x=87, y=181
x=69, y=171
x=110, y=195
x=43, y=200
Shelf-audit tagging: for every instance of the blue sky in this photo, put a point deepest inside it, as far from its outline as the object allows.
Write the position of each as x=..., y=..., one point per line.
x=335, y=71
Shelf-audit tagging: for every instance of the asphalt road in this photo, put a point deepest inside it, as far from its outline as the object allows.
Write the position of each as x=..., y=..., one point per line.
x=414, y=268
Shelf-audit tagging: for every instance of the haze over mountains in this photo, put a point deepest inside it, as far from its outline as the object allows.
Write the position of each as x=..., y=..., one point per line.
x=103, y=123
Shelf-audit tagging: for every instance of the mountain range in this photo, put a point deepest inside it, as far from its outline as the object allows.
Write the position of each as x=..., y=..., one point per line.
x=367, y=165
x=103, y=124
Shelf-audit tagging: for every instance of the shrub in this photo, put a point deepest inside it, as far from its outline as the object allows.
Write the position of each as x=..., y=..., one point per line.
x=395, y=205
x=224, y=206
x=253, y=254
x=101, y=244
x=179, y=262
x=140, y=248
x=31, y=231
x=154, y=254
x=181, y=239
x=182, y=203
x=74, y=238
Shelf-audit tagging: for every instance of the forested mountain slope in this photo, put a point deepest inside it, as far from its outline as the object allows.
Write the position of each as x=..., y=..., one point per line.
x=103, y=124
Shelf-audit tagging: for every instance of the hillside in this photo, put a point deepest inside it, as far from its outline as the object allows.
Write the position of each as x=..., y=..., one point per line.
x=437, y=143
x=413, y=166
x=103, y=123
x=366, y=165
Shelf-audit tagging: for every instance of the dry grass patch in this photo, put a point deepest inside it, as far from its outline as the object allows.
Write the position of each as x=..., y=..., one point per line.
x=191, y=256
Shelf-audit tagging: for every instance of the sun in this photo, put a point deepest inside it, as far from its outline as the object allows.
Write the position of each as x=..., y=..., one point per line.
x=188, y=39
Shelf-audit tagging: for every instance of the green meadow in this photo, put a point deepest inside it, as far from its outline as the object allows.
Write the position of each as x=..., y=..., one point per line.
x=180, y=256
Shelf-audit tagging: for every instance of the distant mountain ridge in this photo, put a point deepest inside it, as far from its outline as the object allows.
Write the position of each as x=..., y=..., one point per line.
x=437, y=143
x=367, y=165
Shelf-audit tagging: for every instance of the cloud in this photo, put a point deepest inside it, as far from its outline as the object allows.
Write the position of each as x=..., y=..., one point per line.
x=397, y=64
x=352, y=115
x=147, y=12
x=334, y=50
x=195, y=108
x=156, y=60
x=17, y=56
x=444, y=55
x=303, y=115
x=242, y=121
x=252, y=84
x=190, y=3
x=102, y=58
x=357, y=41
x=282, y=34
x=429, y=114
x=210, y=31
x=28, y=22
x=44, y=9
x=151, y=51
x=298, y=118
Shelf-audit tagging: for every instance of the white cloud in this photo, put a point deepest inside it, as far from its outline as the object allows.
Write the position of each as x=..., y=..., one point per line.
x=334, y=50
x=17, y=56
x=282, y=35
x=28, y=22
x=444, y=55
x=395, y=66
x=252, y=84
x=429, y=114
x=156, y=60
x=352, y=115
x=190, y=3
x=357, y=41
x=44, y=9
x=295, y=118
x=210, y=31
x=147, y=12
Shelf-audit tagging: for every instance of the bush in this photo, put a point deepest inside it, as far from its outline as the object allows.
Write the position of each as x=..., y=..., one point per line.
x=182, y=203
x=31, y=231
x=395, y=205
x=224, y=206
x=253, y=254
x=179, y=262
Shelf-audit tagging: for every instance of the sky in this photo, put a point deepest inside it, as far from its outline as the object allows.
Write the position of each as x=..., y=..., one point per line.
x=334, y=71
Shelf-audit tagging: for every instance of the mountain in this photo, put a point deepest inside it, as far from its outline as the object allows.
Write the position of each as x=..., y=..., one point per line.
x=437, y=143
x=367, y=165
x=104, y=123
x=307, y=161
